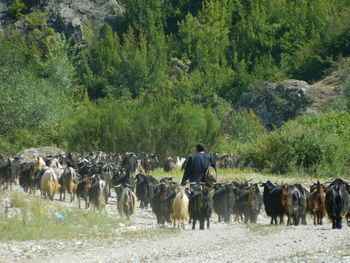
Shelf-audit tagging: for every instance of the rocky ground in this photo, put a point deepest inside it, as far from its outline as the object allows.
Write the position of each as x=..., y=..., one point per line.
x=144, y=241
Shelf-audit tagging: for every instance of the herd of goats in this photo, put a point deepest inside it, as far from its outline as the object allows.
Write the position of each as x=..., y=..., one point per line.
x=92, y=176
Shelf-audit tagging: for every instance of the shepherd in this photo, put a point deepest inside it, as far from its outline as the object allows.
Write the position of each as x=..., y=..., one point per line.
x=197, y=166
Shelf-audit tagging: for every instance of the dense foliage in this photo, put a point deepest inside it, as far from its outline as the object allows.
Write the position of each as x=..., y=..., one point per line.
x=37, y=89
x=319, y=145
x=167, y=74
x=151, y=124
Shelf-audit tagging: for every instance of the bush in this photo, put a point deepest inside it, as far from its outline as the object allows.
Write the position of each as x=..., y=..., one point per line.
x=37, y=91
x=318, y=145
x=48, y=133
x=241, y=127
x=245, y=126
x=147, y=124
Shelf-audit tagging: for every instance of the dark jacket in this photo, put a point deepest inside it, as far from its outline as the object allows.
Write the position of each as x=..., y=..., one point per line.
x=197, y=165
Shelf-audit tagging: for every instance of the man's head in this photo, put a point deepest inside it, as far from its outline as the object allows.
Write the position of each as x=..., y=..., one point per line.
x=200, y=147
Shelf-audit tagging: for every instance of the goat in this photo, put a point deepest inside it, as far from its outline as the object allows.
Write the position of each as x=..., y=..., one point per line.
x=180, y=207
x=126, y=200
x=83, y=189
x=317, y=205
x=69, y=181
x=200, y=207
x=98, y=193
x=49, y=184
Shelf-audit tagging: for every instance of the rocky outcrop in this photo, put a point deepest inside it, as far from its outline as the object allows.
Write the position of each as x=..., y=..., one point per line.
x=276, y=103
x=72, y=16
x=30, y=155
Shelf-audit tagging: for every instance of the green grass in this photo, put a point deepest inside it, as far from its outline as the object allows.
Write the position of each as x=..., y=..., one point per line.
x=34, y=218
x=223, y=174
x=228, y=175
x=159, y=173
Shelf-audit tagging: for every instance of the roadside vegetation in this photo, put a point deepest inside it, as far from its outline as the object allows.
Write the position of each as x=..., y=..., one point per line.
x=31, y=218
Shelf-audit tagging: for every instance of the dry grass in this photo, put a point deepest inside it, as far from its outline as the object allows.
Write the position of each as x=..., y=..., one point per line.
x=323, y=92
x=35, y=218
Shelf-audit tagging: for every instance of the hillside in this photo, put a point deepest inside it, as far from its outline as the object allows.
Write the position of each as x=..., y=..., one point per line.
x=323, y=92
x=160, y=76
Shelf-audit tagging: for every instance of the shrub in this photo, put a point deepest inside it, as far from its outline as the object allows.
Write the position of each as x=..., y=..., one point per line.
x=312, y=144
x=147, y=124
x=241, y=127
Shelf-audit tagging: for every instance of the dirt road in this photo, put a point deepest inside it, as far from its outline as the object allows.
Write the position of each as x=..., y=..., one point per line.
x=144, y=241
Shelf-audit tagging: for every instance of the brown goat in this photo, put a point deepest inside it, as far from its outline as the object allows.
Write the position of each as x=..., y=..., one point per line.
x=286, y=203
x=69, y=181
x=317, y=205
x=82, y=191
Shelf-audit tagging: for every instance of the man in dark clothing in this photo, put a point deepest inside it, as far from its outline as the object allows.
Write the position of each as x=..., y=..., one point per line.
x=197, y=165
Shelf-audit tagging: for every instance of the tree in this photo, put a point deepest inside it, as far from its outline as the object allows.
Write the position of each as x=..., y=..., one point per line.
x=204, y=39
x=33, y=102
x=147, y=124
x=16, y=9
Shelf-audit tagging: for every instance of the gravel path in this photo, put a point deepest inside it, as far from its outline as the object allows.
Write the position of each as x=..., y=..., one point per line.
x=144, y=241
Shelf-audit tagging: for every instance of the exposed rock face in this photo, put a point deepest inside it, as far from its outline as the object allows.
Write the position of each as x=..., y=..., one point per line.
x=276, y=103
x=71, y=16
x=30, y=155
